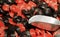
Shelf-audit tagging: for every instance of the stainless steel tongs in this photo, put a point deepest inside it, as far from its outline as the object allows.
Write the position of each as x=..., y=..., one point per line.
x=45, y=19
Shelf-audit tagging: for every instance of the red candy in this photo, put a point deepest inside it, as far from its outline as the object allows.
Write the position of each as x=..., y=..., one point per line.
x=5, y=7
x=21, y=26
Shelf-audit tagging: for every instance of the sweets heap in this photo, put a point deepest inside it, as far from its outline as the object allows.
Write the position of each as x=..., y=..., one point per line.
x=14, y=16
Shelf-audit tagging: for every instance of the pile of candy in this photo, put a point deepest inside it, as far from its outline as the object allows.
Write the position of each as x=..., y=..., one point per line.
x=14, y=16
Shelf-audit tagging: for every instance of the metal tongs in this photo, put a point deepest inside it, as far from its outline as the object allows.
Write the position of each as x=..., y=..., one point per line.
x=44, y=19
